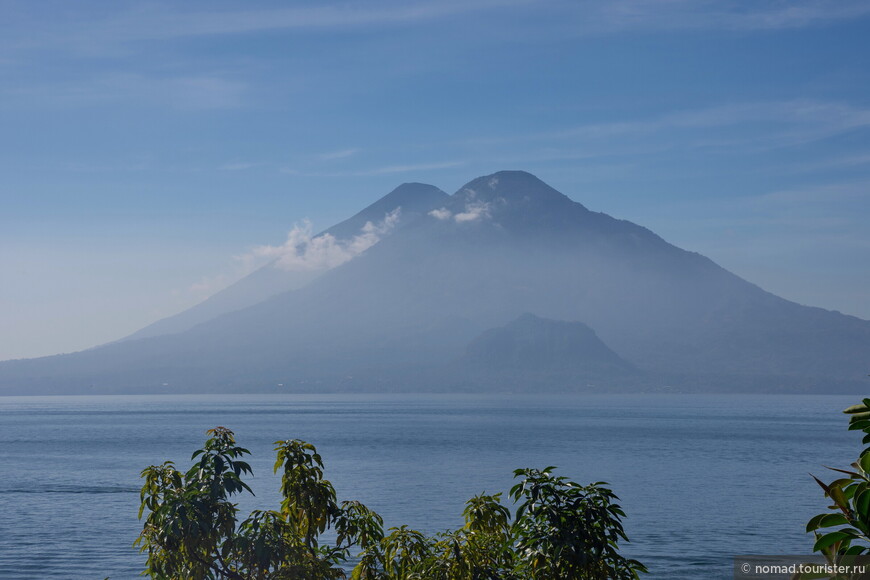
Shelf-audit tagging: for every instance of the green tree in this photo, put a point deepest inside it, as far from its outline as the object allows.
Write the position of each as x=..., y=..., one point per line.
x=480, y=550
x=191, y=531
x=566, y=530
x=844, y=531
x=561, y=530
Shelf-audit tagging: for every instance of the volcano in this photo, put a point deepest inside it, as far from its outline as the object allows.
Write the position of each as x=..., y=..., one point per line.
x=609, y=305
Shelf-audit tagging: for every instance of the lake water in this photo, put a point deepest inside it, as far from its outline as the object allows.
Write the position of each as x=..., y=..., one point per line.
x=702, y=478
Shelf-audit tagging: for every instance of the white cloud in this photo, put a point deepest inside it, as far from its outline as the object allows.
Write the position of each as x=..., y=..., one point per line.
x=441, y=214
x=473, y=212
x=305, y=252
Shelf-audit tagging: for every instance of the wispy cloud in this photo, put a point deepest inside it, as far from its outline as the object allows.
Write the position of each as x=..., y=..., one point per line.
x=240, y=266
x=622, y=15
x=802, y=119
x=340, y=154
x=767, y=125
x=829, y=195
x=305, y=252
x=409, y=168
x=812, y=214
x=145, y=163
x=441, y=213
x=156, y=23
x=473, y=211
x=301, y=252
x=386, y=170
x=148, y=22
x=240, y=165
x=192, y=92
x=845, y=161
x=208, y=285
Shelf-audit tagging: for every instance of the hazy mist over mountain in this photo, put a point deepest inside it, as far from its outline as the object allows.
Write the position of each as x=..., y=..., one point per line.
x=302, y=258
x=506, y=285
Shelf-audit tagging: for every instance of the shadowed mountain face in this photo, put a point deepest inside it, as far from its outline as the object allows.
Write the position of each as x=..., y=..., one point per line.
x=557, y=355
x=402, y=314
x=537, y=344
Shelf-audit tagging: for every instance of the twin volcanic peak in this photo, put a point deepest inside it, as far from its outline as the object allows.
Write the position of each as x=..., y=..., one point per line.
x=429, y=305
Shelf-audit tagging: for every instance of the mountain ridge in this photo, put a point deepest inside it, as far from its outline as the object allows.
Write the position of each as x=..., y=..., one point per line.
x=401, y=314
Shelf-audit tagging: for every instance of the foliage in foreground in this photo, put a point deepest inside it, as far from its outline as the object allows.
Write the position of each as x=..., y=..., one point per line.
x=560, y=530
x=850, y=512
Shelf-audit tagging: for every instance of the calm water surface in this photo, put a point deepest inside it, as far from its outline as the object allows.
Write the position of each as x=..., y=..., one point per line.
x=701, y=477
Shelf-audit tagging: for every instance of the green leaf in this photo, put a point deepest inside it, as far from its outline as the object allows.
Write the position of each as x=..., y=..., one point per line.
x=832, y=538
x=831, y=520
x=839, y=498
x=813, y=524
x=850, y=473
x=822, y=484
x=862, y=504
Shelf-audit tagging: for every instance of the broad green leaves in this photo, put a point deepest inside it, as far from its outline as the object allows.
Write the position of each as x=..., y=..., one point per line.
x=561, y=530
x=191, y=530
x=851, y=501
x=566, y=530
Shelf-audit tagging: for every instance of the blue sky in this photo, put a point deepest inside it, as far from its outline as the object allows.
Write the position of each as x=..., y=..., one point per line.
x=146, y=146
